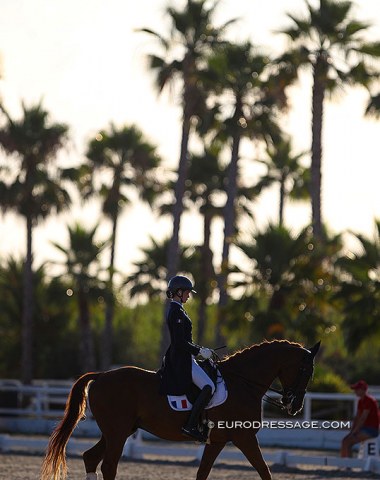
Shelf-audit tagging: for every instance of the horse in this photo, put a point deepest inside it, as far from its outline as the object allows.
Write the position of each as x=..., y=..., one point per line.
x=128, y=398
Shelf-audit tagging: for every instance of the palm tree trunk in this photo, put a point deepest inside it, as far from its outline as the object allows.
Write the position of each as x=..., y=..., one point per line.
x=107, y=347
x=87, y=354
x=173, y=250
x=205, y=276
x=183, y=167
x=276, y=327
x=316, y=148
x=229, y=232
x=28, y=307
x=282, y=200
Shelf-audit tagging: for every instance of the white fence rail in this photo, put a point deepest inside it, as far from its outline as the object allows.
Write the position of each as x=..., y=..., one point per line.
x=46, y=399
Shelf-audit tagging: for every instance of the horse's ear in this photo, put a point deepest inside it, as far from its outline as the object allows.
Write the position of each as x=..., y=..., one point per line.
x=315, y=348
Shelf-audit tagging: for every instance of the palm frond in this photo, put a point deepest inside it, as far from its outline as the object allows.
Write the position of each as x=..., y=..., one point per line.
x=373, y=106
x=162, y=40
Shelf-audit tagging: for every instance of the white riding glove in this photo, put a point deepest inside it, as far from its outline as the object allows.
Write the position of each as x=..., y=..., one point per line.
x=205, y=353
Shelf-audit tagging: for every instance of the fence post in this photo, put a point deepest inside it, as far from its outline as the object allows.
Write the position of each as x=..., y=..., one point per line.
x=307, y=408
x=38, y=403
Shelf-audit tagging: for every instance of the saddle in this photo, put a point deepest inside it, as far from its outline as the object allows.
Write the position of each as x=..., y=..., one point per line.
x=185, y=402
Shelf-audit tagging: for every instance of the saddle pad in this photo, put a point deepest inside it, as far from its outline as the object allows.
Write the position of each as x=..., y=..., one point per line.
x=181, y=403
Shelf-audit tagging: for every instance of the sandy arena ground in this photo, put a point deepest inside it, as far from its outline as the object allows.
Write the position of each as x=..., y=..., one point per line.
x=27, y=467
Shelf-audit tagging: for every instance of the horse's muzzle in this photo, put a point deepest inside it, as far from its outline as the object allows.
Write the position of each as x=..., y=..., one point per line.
x=292, y=402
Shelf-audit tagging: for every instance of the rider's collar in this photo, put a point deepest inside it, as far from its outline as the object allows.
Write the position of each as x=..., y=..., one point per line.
x=180, y=304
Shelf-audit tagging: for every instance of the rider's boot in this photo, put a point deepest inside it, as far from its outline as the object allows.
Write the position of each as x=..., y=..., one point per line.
x=191, y=427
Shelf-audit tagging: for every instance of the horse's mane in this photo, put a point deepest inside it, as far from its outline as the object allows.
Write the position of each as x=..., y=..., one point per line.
x=264, y=344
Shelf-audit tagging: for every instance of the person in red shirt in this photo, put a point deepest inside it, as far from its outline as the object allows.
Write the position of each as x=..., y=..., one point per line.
x=366, y=421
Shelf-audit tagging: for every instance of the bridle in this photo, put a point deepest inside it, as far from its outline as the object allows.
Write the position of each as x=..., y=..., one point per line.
x=289, y=394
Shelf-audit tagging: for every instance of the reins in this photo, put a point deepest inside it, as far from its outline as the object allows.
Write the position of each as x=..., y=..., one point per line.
x=292, y=390
x=273, y=401
x=266, y=397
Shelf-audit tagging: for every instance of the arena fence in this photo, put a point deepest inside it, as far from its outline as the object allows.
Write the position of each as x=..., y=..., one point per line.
x=36, y=409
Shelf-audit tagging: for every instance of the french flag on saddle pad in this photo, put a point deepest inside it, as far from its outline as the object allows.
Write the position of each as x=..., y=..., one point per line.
x=179, y=402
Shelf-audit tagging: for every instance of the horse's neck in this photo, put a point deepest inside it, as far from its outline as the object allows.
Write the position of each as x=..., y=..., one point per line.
x=256, y=366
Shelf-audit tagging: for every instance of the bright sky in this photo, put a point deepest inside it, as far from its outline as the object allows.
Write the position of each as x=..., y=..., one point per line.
x=84, y=59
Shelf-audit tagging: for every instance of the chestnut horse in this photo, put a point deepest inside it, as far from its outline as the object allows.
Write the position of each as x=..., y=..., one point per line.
x=128, y=398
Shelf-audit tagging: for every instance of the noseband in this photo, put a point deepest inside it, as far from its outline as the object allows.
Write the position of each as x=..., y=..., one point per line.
x=289, y=394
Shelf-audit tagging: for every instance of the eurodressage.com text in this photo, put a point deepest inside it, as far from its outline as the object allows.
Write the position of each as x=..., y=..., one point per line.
x=282, y=424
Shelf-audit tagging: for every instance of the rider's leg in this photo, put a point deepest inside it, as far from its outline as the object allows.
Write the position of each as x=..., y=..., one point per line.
x=203, y=381
x=200, y=377
x=191, y=427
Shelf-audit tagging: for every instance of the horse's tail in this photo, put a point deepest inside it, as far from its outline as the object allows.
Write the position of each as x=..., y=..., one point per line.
x=54, y=465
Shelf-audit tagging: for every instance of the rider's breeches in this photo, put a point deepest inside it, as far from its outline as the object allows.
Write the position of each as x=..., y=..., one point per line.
x=200, y=377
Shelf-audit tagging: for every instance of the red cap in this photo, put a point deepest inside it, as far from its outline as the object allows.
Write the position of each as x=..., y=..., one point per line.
x=361, y=384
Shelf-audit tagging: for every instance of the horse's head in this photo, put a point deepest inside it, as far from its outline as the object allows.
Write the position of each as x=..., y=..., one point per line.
x=295, y=375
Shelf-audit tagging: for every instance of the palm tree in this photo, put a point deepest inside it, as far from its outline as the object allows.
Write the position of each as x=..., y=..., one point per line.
x=34, y=192
x=287, y=284
x=150, y=274
x=11, y=306
x=193, y=36
x=205, y=189
x=129, y=162
x=149, y=277
x=82, y=270
x=205, y=183
x=240, y=73
x=285, y=169
x=330, y=42
x=52, y=312
x=359, y=293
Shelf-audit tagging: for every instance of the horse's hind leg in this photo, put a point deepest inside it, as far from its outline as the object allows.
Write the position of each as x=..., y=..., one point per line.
x=210, y=453
x=94, y=456
x=114, y=448
x=250, y=448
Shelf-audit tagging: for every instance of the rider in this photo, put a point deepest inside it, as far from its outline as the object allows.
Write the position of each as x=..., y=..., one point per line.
x=180, y=366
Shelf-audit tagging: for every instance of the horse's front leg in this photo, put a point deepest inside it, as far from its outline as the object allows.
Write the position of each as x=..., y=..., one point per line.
x=249, y=445
x=210, y=453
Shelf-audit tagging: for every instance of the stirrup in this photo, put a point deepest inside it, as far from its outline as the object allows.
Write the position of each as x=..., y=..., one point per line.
x=195, y=434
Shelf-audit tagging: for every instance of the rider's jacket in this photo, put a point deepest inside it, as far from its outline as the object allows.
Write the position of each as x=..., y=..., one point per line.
x=176, y=368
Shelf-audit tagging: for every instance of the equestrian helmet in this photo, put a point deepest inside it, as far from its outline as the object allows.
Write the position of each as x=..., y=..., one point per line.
x=179, y=282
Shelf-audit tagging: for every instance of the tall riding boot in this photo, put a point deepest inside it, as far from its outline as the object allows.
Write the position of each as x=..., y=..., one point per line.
x=191, y=427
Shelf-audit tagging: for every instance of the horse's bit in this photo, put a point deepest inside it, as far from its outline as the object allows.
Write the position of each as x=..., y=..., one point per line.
x=289, y=394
